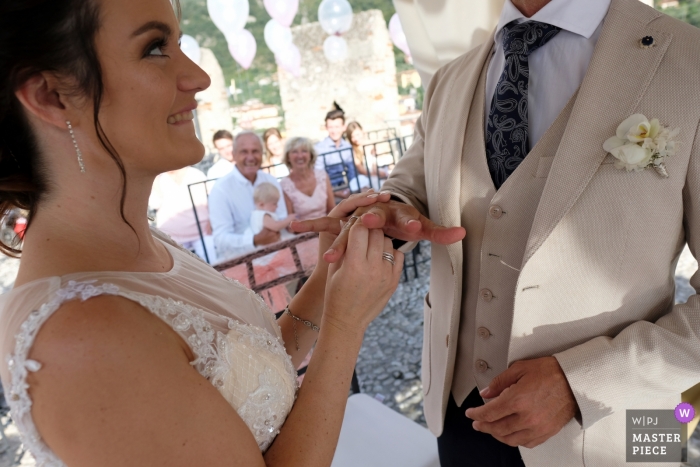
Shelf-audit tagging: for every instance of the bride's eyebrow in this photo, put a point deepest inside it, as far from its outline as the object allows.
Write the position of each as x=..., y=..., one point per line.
x=158, y=25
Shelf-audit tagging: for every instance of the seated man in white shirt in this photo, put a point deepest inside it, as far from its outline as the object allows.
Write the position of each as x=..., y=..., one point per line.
x=223, y=142
x=231, y=200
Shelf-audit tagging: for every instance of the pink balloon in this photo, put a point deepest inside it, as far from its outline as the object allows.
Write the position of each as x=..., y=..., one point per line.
x=290, y=60
x=397, y=35
x=283, y=11
x=242, y=46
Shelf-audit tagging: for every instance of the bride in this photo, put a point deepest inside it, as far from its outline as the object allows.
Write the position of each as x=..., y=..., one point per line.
x=118, y=347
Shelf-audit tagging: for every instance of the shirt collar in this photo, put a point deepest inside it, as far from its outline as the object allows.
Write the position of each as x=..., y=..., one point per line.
x=240, y=178
x=581, y=17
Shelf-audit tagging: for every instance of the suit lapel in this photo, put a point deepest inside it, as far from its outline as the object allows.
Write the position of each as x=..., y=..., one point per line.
x=617, y=78
x=452, y=139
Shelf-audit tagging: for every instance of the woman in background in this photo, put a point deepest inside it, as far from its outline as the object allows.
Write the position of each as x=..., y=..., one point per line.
x=307, y=192
x=274, y=153
x=356, y=136
x=170, y=198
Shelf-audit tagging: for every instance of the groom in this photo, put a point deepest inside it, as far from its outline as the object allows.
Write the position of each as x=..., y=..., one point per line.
x=557, y=306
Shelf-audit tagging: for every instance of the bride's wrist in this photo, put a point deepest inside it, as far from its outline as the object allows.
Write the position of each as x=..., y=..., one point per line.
x=339, y=325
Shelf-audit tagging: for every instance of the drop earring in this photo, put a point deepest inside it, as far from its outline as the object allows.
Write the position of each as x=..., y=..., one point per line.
x=77, y=149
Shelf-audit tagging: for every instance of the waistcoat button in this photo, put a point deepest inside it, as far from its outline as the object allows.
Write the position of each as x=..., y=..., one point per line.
x=486, y=295
x=481, y=366
x=483, y=333
x=496, y=212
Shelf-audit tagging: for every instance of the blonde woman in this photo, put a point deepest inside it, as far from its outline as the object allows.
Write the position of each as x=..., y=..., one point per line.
x=307, y=191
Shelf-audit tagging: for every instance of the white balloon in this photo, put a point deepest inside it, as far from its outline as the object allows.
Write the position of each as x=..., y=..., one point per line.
x=335, y=16
x=229, y=15
x=290, y=59
x=190, y=47
x=398, y=37
x=282, y=10
x=335, y=49
x=277, y=37
x=242, y=46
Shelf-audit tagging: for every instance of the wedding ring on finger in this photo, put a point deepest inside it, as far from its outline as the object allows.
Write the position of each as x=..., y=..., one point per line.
x=351, y=221
x=389, y=257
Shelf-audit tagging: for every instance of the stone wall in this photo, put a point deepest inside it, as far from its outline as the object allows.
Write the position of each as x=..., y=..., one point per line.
x=213, y=112
x=364, y=84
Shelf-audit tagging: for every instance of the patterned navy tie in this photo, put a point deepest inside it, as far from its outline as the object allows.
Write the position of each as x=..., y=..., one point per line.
x=507, y=138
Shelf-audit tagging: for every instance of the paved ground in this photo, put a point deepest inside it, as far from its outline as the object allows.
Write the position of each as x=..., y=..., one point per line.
x=389, y=362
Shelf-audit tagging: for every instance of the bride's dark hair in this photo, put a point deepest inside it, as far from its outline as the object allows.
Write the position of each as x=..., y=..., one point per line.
x=36, y=36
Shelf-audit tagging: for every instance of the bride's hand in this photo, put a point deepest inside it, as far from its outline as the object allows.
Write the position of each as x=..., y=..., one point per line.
x=361, y=283
x=332, y=224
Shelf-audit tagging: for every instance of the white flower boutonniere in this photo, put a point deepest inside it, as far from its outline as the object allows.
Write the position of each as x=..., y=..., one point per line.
x=641, y=143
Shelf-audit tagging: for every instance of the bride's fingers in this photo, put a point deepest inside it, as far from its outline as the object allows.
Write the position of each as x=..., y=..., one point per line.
x=358, y=242
x=376, y=246
x=337, y=249
x=397, y=267
x=348, y=206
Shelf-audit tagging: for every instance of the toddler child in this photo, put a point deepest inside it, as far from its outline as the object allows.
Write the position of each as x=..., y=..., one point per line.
x=266, y=196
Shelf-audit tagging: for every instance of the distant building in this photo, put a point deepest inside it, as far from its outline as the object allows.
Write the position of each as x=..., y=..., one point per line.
x=409, y=79
x=666, y=4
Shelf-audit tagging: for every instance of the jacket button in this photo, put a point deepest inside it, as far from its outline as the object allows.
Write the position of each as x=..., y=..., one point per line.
x=486, y=295
x=481, y=366
x=495, y=211
x=483, y=333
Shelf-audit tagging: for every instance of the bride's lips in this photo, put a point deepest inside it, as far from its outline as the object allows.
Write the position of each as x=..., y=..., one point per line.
x=183, y=116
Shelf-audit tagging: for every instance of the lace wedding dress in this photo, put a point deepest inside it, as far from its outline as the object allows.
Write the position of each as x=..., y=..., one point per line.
x=233, y=335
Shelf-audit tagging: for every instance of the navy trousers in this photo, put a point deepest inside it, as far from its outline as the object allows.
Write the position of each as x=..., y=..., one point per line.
x=462, y=446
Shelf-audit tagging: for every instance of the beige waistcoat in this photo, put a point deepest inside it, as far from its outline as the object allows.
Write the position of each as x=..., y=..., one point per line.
x=494, y=219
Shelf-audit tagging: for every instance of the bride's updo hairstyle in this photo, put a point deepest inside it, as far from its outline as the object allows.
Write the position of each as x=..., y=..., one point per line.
x=37, y=36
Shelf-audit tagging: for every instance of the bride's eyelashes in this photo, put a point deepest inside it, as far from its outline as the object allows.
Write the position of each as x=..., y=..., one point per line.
x=157, y=48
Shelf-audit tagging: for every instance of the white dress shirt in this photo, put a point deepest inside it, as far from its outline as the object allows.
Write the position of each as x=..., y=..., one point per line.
x=220, y=168
x=556, y=69
x=230, y=206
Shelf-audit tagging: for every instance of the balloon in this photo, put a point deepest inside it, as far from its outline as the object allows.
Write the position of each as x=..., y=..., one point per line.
x=190, y=47
x=335, y=16
x=335, y=49
x=290, y=59
x=283, y=11
x=243, y=47
x=229, y=15
x=277, y=37
x=397, y=35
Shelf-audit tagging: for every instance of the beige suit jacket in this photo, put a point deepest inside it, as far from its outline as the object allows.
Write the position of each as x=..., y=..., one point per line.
x=596, y=283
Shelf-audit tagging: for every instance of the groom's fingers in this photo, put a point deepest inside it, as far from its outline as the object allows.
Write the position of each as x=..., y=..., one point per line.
x=492, y=411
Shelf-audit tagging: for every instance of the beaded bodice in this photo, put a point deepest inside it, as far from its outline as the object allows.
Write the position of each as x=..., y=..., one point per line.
x=233, y=335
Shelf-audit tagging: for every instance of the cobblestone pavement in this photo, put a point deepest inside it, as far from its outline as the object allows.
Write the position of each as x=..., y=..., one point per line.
x=388, y=367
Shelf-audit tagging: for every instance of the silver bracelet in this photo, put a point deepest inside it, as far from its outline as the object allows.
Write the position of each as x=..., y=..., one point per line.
x=305, y=322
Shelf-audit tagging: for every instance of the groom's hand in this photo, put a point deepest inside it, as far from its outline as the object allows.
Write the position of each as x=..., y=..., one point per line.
x=398, y=220
x=530, y=402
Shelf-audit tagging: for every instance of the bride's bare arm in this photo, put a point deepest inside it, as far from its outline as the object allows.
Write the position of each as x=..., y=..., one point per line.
x=116, y=386
x=357, y=292
x=308, y=303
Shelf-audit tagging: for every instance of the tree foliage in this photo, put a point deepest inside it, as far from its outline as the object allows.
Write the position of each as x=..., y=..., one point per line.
x=687, y=10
